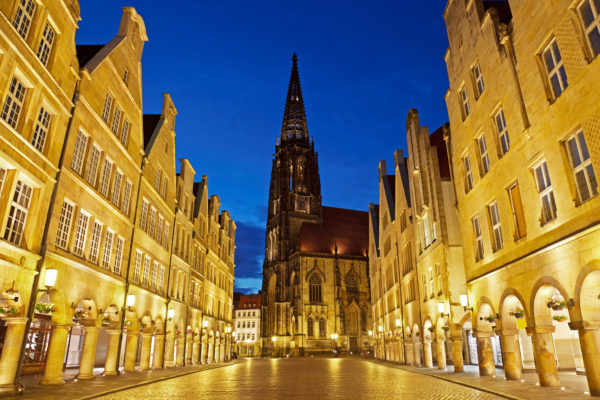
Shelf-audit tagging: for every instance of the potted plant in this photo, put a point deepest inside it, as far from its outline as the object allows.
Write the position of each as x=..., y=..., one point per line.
x=80, y=314
x=559, y=318
x=517, y=313
x=489, y=318
x=7, y=309
x=556, y=304
x=106, y=320
x=45, y=308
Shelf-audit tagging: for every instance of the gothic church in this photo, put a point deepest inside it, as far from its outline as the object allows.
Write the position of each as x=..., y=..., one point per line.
x=315, y=275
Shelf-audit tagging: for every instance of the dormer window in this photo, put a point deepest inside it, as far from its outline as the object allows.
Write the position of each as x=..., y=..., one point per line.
x=126, y=76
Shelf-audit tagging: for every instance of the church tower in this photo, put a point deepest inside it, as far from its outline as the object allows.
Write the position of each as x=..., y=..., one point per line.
x=294, y=198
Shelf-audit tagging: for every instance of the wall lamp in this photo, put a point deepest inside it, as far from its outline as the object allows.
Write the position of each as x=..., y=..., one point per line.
x=464, y=302
x=441, y=308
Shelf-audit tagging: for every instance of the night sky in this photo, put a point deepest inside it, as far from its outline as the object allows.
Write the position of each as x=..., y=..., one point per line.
x=226, y=64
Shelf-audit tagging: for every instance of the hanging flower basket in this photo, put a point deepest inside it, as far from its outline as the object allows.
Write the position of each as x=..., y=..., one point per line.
x=556, y=304
x=7, y=309
x=80, y=314
x=431, y=330
x=517, y=313
x=489, y=318
x=409, y=336
x=417, y=334
x=105, y=320
x=45, y=308
x=446, y=328
x=559, y=318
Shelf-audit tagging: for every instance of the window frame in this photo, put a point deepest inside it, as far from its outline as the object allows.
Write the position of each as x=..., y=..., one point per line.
x=559, y=66
x=546, y=192
x=585, y=165
x=478, y=236
x=46, y=44
x=463, y=97
x=19, y=210
x=595, y=24
x=502, y=131
x=495, y=225
x=484, y=154
x=14, y=102
x=478, y=80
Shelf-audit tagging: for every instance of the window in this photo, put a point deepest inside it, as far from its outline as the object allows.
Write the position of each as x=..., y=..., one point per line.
x=322, y=328
x=163, y=187
x=424, y=287
x=315, y=289
x=544, y=186
x=118, y=255
x=466, y=109
x=517, y=211
x=426, y=229
x=23, y=17
x=154, y=280
x=468, y=174
x=557, y=77
x=438, y=272
x=159, y=228
x=108, y=243
x=19, y=209
x=431, y=283
x=310, y=327
x=125, y=132
x=81, y=233
x=116, y=195
x=496, y=227
x=478, y=77
x=166, y=236
x=106, y=173
x=95, y=242
x=126, y=197
x=79, y=152
x=40, y=131
x=161, y=278
x=478, y=239
x=589, y=11
x=126, y=76
x=137, y=266
x=107, y=106
x=2, y=179
x=146, y=271
x=14, y=102
x=157, y=179
x=116, y=123
x=46, y=44
x=583, y=171
x=483, y=155
x=152, y=222
x=92, y=170
x=144, y=216
x=64, y=225
x=502, y=132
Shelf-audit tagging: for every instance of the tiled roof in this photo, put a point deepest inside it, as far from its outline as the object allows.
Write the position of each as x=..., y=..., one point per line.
x=346, y=229
x=437, y=139
x=249, y=301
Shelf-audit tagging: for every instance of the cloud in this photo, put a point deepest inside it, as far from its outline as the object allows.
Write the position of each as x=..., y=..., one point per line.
x=249, y=255
x=248, y=285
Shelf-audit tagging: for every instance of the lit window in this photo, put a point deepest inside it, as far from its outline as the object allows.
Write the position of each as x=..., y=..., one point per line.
x=19, y=209
x=589, y=11
x=126, y=76
x=478, y=239
x=483, y=155
x=126, y=197
x=116, y=195
x=23, y=17
x=81, y=233
x=64, y=225
x=107, y=106
x=14, y=102
x=144, y=214
x=154, y=280
x=106, y=173
x=95, y=242
x=125, y=132
x=157, y=179
x=40, y=132
x=478, y=80
x=118, y=255
x=152, y=222
x=466, y=108
x=159, y=231
x=146, y=271
x=502, y=132
x=116, y=123
x=92, y=170
x=161, y=278
x=517, y=210
x=108, y=243
x=79, y=152
x=137, y=269
x=46, y=44
x=315, y=289
x=166, y=236
x=555, y=69
x=163, y=187
x=496, y=227
x=426, y=229
x=583, y=171
x=544, y=186
x=468, y=174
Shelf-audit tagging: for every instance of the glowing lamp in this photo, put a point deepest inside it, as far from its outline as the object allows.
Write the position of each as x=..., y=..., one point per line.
x=274, y=339
x=130, y=300
x=441, y=307
x=380, y=328
x=370, y=333
x=171, y=313
x=205, y=324
x=397, y=322
x=464, y=300
x=51, y=274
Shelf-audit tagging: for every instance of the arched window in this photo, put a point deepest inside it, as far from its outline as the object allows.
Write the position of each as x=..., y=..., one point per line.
x=322, y=329
x=351, y=288
x=314, y=285
x=310, y=327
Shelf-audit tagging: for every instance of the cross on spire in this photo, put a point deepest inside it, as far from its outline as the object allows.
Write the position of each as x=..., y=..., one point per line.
x=294, y=117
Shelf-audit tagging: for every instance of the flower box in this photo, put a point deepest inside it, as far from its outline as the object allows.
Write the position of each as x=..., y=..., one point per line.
x=556, y=304
x=559, y=318
x=45, y=308
x=517, y=313
x=80, y=314
x=489, y=318
x=6, y=310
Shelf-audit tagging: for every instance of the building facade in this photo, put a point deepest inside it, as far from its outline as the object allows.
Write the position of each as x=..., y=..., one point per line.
x=524, y=152
x=246, y=321
x=315, y=281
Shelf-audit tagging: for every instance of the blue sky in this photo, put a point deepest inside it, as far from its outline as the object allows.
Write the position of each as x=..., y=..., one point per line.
x=226, y=64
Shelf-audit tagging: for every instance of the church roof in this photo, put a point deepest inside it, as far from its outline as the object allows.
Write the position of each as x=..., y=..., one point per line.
x=346, y=229
x=437, y=139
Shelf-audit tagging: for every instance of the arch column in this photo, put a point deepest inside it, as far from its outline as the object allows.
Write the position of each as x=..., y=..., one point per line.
x=56, y=355
x=188, y=349
x=410, y=356
x=590, y=348
x=88, y=356
x=485, y=353
x=131, y=351
x=441, y=353
x=170, y=351
x=217, y=350
x=145, y=355
x=417, y=352
x=427, y=353
x=543, y=352
x=204, y=353
x=196, y=351
x=457, y=351
x=511, y=353
x=222, y=352
x=210, y=355
x=159, y=347
x=180, y=351
x=11, y=351
x=110, y=363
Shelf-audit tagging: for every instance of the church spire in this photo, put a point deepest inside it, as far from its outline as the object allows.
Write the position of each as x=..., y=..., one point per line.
x=294, y=117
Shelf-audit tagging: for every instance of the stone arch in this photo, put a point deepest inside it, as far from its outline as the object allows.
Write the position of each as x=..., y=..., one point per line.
x=543, y=290
x=146, y=323
x=13, y=300
x=111, y=318
x=62, y=314
x=466, y=317
x=511, y=302
x=132, y=320
x=86, y=312
x=485, y=309
x=427, y=325
x=587, y=293
x=416, y=332
x=159, y=325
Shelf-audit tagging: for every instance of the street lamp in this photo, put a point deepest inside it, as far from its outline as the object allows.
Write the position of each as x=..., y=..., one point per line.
x=397, y=323
x=130, y=300
x=370, y=333
x=50, y=280
x=464, y=302
x=171, y=313
x=442, y=308
x=380, y=328
x=205, y=324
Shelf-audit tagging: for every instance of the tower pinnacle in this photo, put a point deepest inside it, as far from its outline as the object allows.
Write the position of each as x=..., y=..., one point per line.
x=294, y=117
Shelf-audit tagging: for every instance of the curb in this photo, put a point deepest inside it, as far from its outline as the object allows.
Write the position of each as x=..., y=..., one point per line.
x=151, y=381
x=457, y=382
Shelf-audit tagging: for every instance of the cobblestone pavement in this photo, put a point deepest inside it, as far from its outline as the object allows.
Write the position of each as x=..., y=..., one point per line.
x=304, y=378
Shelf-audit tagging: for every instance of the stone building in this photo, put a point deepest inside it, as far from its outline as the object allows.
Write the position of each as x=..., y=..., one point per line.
x=524, y=149
x=315, y=281
x=102, y=233
x=246, y=321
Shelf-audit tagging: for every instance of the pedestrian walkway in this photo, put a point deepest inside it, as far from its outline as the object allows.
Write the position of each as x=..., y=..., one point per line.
x=103, y=385
x=575, y=386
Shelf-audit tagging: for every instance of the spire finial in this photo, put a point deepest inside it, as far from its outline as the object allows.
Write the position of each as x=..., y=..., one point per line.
x=294, y=117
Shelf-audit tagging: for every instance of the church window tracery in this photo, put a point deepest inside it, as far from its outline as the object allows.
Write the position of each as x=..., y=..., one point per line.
x=310, y=327
x=322, y=328
x=315, y=289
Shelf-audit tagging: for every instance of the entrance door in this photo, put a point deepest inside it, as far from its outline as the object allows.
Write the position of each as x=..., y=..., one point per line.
x=354, y=345
x=36, y=347
x=251, y=351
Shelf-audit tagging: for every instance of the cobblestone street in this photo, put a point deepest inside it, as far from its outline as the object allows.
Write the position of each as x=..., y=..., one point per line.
x=303, y=378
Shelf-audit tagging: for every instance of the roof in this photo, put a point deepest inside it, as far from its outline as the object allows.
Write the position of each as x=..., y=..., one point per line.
x=503, y=8
x=85, y=52
x=249, y=301
x=348, y=230
x=150, y=122
x=437, y=140
x=392, y=181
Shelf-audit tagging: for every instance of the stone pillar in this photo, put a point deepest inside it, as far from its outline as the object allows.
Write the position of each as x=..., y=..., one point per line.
x=457, y=354
x=511, y=354
x=11, y=351
x=204, y=353
x=543, y=352
x=211, y=353
x=409, y=357
x=188, y=349
x=170, y=351
x=131, y=351
x=159, y=347
x=417, y=352
x=196, y=352
x=56, y=355
x=485, y=354
x=110, y=364
x=441, y=353
x=145, y=355
x=180, y=352
x=222, y=352
x=217, y=352
x=427, y=353
x=590, y=348
x=88, y=357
